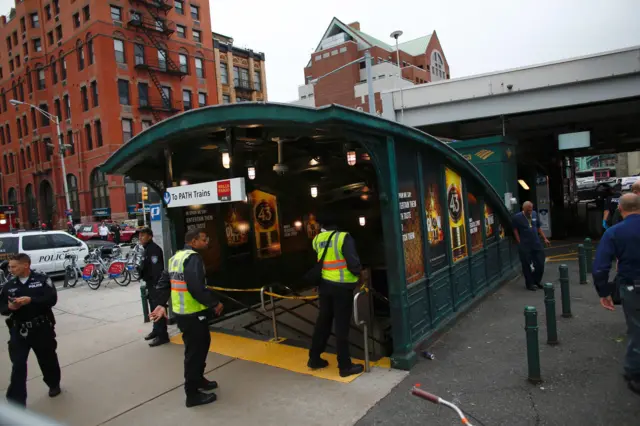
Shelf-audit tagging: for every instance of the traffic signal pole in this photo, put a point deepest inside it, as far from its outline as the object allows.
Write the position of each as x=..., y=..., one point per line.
x=145, y=196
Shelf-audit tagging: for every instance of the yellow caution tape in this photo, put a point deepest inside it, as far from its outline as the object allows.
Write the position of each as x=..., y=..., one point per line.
x=269, y=293
x=244, y=290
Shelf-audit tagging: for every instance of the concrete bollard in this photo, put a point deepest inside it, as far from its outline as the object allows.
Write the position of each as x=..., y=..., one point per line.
x=533, y=349
x=145, y=302
x=65, y=284
x=550, y=311
x=582, y=264
x=565, y=292
x=588, y=251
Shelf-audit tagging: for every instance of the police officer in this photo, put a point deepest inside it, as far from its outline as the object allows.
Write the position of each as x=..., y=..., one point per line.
x=527, y=232
x=340, y=274
x=150, y=272
x=622, y=242
x=27, y=299
x=191, y=303
x=610, y=207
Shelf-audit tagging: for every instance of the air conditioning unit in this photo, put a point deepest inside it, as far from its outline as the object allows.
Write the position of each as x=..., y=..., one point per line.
x=360, y=109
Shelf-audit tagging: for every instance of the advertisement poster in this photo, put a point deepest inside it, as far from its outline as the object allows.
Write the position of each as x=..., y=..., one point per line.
x=411, y=233
x=435, y=230
x=204, y=218
x=455, y=206
x=489, y=224
x=311, y=226
x=236, y=224
x=475, y=222
x=267, y=228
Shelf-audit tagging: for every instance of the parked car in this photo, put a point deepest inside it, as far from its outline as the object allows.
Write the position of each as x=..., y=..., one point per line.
x=627, y=182
x=89, y=231
x=45, y=248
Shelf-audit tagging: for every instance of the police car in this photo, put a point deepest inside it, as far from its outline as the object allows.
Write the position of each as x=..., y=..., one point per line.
x=45, y=248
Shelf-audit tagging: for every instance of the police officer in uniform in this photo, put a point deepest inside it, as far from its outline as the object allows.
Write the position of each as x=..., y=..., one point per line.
x=340, y=274
x=151, y=270
x=622, y=242
x=527, y=232
x=193, y=305
x=27, y=299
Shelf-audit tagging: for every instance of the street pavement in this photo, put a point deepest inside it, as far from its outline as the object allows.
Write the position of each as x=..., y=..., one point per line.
x=481, y=364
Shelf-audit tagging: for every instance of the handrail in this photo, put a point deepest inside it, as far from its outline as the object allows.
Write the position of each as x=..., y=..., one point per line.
x=364, y=327
x=274, y=323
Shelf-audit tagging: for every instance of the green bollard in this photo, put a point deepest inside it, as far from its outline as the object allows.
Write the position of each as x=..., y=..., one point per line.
x=550, y=308
x=582, y=263
x=533, y=350
x=564, y=289
x=588, y=252
x=145, y=302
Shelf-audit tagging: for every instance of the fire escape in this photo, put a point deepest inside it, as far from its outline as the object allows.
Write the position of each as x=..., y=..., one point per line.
x=158, y=29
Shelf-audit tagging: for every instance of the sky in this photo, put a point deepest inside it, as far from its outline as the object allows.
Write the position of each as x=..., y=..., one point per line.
x=476, y=36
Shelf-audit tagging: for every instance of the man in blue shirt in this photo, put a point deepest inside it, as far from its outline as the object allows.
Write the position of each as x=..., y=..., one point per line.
x=527, y=232
x=622, y=242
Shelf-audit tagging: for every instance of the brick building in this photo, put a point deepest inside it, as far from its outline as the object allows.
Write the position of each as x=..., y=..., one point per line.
x=108, y=70
x=249, y=83
x=422, y=61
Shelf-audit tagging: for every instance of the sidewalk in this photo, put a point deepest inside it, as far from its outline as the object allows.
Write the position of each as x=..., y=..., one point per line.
x=481, y=365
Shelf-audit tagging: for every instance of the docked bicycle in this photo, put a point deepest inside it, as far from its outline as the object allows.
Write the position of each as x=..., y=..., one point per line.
x=97, y=268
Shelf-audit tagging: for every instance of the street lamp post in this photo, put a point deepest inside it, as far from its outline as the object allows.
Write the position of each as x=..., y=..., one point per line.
x=367, y=59
x=396, y=35
x=61, y=148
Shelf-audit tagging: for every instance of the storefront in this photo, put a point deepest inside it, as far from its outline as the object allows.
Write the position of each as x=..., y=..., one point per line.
x=428, y=226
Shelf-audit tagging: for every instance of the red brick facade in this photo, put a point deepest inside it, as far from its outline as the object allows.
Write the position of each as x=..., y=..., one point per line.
x=86, y=34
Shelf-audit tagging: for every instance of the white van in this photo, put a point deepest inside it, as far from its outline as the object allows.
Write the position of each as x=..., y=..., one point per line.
x=45, y=248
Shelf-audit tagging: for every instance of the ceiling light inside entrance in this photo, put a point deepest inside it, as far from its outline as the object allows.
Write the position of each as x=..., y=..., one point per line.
x=351, y=157
x=314, y=191
x=314, y=161
x=362, y=220
x=226, y=160
x=523, y=184
x=251, y=173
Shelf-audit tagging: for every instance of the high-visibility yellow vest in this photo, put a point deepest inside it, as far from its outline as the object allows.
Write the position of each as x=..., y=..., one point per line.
x=182, y=302
x=334, y=267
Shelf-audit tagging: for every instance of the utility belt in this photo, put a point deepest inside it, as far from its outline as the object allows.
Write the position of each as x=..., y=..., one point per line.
x=632, y=284
x=24, y=327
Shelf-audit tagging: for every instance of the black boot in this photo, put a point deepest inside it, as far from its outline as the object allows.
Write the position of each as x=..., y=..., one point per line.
x=150, y=336
x=208, y=385
x=159, y=341
x=539, y=286
x=200, y=398
x=55, y=391
x=316, y=364
x=354, y=369
x=531, y=288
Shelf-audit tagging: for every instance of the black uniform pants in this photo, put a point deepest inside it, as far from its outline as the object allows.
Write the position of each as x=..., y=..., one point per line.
x=196, y=338
x=160, y=326
x=532, y=256
x=42, y=340
x=336, y=308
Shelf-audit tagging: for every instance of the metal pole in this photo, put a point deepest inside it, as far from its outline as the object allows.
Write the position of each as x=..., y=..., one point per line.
x=145, y=303
x=533, y=349
x=273, y=315
x=588, y=251
x=144, y=215
x=550, y=311
x=372, y=100
x=564, y=288
x=62, y=149
x=400, y=82
x=582, y=264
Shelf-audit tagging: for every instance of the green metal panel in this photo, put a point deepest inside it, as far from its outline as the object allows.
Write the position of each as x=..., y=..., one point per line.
x=461, y=282
x=440, y=290
x=419, y=309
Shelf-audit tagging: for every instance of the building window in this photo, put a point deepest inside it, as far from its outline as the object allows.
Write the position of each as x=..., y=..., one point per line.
x=34, y=123
x=197, y=36
x=37, y=45
x=44, y=119
x=146, y=124
x=22, y=159
x=195, y=12
x=226, y=99
x=199, y=68
x=98, y=126
x=257, y=81
x=437, y=66
x=88, y=137
x=9, y=43
x=123, y=92
x=23, y=26
x=71, y=149
x=138, y=54
x=224, y=73
x=118, y=45
x=74, y=200
x=63, y=69
x=2, y=142
x=186, y=100
x=76, y=20
x=166, y=97
x=11, y=67
x=58, y=109
x=87, y=13
x=21, y=92
x=182, y=31
x=25, y=125
x=47, y=12
x=25, y=49
x=184, y=63
x=94, y=93
x=19, y=128
x=179, y=6
x=29, y=160
x=127, y=130
x=7, y=131
x=202, y=99
x=143, y=94
x=80, y=54
x=116, y=13
x=56, y=6
x=160, y=26
x=35, y=20
x=90, y=52
x=136, y=17
x=99, y=189
x=42, y=82
x=162, y=60
x=236, y=76
x=59, y=33
x=50, y=37
x=67, y=106
x=85, y=98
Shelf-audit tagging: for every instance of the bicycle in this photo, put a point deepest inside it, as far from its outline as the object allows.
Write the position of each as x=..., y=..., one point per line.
x=72, y=271
x=134, y=261
x=437, y=400
x=97, y=267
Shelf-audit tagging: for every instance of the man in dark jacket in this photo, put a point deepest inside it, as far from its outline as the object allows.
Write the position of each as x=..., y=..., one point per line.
x=27, y=299
x=150, y=272
x=193, y=305
x=340, y=275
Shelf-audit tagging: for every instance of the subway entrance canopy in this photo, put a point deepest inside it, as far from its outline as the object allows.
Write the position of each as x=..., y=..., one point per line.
x=429, y=228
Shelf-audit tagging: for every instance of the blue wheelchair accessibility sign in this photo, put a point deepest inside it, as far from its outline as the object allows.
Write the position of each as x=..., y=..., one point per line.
x=155, y=212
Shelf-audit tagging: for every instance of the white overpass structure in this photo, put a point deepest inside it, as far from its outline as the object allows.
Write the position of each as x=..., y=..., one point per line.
x=486, y=102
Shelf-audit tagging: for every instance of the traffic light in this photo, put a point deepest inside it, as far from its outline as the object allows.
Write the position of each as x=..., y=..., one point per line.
x=145, y=193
